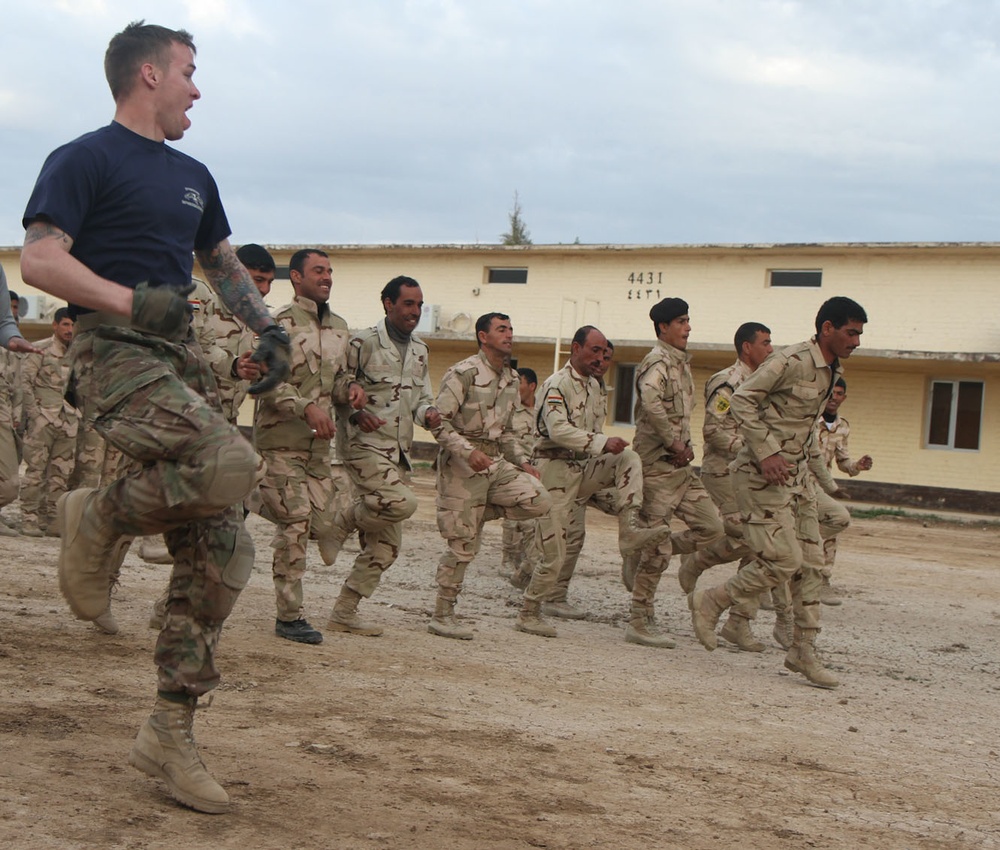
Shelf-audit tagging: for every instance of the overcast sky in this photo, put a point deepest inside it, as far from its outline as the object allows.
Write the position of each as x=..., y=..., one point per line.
x=636, y=121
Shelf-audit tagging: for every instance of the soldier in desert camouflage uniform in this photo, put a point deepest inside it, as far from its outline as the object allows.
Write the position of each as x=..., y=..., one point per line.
x=10, y=401
x=777, y=408
x=293, y=431
x=113, y=223
x=50, y=444
x=832, y=434
x=664, y=399
x=576, y=461
x=225, y=340
x=374, y=443
x=481, y=466
x=722, y=443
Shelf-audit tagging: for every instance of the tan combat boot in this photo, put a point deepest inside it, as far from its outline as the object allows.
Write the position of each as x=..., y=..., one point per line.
x=563, y=610
x=706, y=608
x=784, y=627
x=153, y=550
x=443, y=622
x=632, y=538
x=344, y=617
x=737, y=631
x=158, y=616
x=829, y=595
x=689, y=571
x=165, y=749
x=642, y=628
x=519, y=578
x=802, y=658
x=630, y=566
x=530, y=620
x=107, y=622
x=88, y=554
x=336, y=536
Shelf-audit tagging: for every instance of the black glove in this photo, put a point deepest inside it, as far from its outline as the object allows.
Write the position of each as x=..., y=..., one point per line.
x=274, y=352
x=162, y=310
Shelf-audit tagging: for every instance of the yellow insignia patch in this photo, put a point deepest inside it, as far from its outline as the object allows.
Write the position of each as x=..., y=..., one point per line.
x=721, y=405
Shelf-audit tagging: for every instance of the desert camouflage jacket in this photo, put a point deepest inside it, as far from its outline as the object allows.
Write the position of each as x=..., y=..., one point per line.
x=664, y=399
x=777, y=406
x=399, y=391
x=570, y=414
x=43, y=382
x=720, y=430
x=319, y=375
x=476, y=403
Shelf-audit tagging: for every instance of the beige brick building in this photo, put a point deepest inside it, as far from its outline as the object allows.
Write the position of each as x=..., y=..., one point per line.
x=924, y=390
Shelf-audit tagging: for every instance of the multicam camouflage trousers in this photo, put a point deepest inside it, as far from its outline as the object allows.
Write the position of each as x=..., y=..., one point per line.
x=462, y=503
x=572, y=483
x=155, y=400
x=383, y=501
x=782, y=531
x=49, y=453
x=297, y=494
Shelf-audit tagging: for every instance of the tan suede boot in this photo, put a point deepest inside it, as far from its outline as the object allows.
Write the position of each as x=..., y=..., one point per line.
x=530, y=620
x=630, y=566
x=642, y=629
x=828, y=594
x=784, y=627
x=154, y=551
x=334, y=538
x=737, y=631
x=706, y=608
x=688, y=572
x=344, y=617
x=165, y=749
x=631, y=537
x=802, y=658
x=443, y=622
x=88, y=553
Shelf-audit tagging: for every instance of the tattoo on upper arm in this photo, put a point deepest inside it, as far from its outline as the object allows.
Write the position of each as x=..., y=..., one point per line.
x=231, y=280
x=39, y=230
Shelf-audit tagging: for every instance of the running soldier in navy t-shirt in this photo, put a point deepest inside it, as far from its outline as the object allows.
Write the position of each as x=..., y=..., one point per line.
x=111, y=226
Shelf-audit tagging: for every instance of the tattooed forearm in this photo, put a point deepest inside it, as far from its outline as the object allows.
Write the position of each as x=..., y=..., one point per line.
x=230, y=279
x=39, y=230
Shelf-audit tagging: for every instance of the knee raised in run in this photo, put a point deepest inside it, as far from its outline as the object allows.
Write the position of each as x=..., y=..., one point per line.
x=228, y=475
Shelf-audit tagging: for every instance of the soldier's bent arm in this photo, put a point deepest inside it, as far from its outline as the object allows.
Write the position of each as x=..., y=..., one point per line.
x=653, y=387
x=720, y=430
x=229, y=277
x=46, y=264
x=751, y=398
x=449, y=402
x=818, y=467
x=562, y=431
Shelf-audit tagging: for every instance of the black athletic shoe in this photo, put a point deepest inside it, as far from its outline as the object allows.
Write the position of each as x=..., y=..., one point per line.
x=298, y=630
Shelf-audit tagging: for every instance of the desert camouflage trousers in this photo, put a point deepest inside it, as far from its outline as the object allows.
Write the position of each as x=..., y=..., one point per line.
x=668, y=492
x=462, y=503
x=383, y=500
x=571, y=484
x=49, y=455
x=155, y=400
x=833, y=519
x=782, y=532
x=90, y=455
x=297, y=495
x=9, y=466
x=732, y=546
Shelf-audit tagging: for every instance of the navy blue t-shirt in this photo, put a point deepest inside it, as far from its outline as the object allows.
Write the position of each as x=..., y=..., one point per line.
x=134, y=208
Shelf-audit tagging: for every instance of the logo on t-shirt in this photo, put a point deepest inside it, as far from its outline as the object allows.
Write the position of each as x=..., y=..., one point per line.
x=192, y=198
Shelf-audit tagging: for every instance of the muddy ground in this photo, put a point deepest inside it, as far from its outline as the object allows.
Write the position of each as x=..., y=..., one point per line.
x=512, y=741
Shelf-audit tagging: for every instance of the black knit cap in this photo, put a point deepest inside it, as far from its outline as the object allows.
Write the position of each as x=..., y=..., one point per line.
x=668, y=309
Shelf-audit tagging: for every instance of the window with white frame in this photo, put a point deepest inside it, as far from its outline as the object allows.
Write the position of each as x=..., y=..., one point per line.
x=954, y=415
x=625, y=394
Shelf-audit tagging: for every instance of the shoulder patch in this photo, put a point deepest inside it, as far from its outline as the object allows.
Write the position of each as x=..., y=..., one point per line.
x=721, y=405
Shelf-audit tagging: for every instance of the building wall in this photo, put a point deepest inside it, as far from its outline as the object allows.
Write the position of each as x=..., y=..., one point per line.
x=941, y=300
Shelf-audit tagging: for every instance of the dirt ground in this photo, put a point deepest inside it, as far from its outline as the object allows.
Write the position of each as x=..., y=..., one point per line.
x=512, y=741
